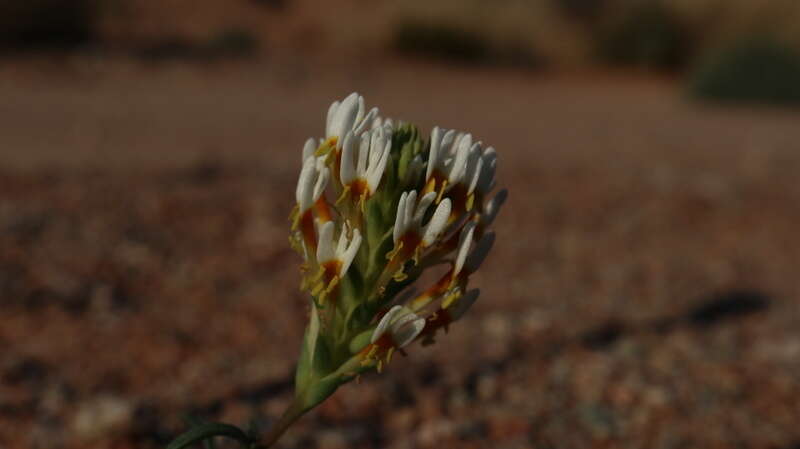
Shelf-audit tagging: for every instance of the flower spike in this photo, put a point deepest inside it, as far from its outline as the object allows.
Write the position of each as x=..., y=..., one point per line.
x=404, y=202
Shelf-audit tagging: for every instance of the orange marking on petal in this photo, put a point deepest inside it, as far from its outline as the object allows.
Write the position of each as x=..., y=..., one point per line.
x=323, y=210
x=459, y=197
x=438, y=181
x=359, y=188
x=331, y=269
x=307, y=229
x=442, y=284
x=385, y=342
x=411, y=240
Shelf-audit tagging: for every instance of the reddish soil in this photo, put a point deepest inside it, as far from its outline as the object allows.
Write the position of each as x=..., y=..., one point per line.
x=643, y=291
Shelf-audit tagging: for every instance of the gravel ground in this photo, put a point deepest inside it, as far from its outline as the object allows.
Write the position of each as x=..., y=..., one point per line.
x=642, y=294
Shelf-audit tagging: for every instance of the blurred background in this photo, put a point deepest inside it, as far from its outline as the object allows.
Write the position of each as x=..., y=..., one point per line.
x=643, y=292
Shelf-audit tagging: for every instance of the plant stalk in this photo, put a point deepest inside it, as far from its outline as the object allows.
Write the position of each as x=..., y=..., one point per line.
x=292, y=414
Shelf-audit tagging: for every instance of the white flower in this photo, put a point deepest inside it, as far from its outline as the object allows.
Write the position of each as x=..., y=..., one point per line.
x=364, y=160
x=400, y=325
x=451, y=286
x=447, y=159
x=408, y=226
x=311, y=185
x=336, y=261
x=348, y=116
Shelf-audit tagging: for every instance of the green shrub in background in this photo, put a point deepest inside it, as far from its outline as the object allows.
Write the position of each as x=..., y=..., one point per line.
x=225, y=44
x=46, y=24
x=439, y=41
x=233, y=42
x=648, y=35
x=759, y=70
x=455, y=43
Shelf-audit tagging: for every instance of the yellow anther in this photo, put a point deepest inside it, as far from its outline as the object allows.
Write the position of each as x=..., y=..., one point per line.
x=318, y=289
x=429, y=186
x=450, y=299
x=332, y=284
x=389, y=355
x=400, y=276
x=397, y=247
x=326, y=146
x=417, y=254
x=345, y=192
x=441, y=191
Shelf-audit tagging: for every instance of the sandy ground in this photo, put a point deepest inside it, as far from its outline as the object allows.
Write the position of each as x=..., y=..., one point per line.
x=643, y=291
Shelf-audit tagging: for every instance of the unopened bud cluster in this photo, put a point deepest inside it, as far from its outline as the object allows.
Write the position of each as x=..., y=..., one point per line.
x=377, y=205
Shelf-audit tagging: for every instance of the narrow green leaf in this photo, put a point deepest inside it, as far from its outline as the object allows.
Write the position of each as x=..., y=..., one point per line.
x=194, y=421
x=207, y=431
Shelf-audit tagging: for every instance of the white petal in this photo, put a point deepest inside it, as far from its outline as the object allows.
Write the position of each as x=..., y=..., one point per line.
x=376, y=139
x=329, y=122
x=305, y=185
x=399, y=220
x=376, y=171
x=361, y=125
x=487, y=173
x=448, y=140
x=384, y=323
x=493, y=207
x=323, y=174
x=345, y=116
x=459, y=165
x=348, y=256
x=309, y=148
x=406, y=334
x=347, y=172
x=438, y=222
x=363, y=153
x=403, y=317
x=433, y=155
x=325, y=251
x=474, y=167
x=460, y=307
x=464, y=243
x=361, y=108
x=342, y=244
x=478, y=255
x=411, y=201
x=422, y=207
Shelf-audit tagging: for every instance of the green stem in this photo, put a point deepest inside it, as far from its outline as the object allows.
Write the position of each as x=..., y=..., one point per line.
x=292, y=414
x=306, y=400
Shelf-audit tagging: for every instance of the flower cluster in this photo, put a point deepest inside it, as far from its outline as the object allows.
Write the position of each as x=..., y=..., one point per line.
x=377, y=205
